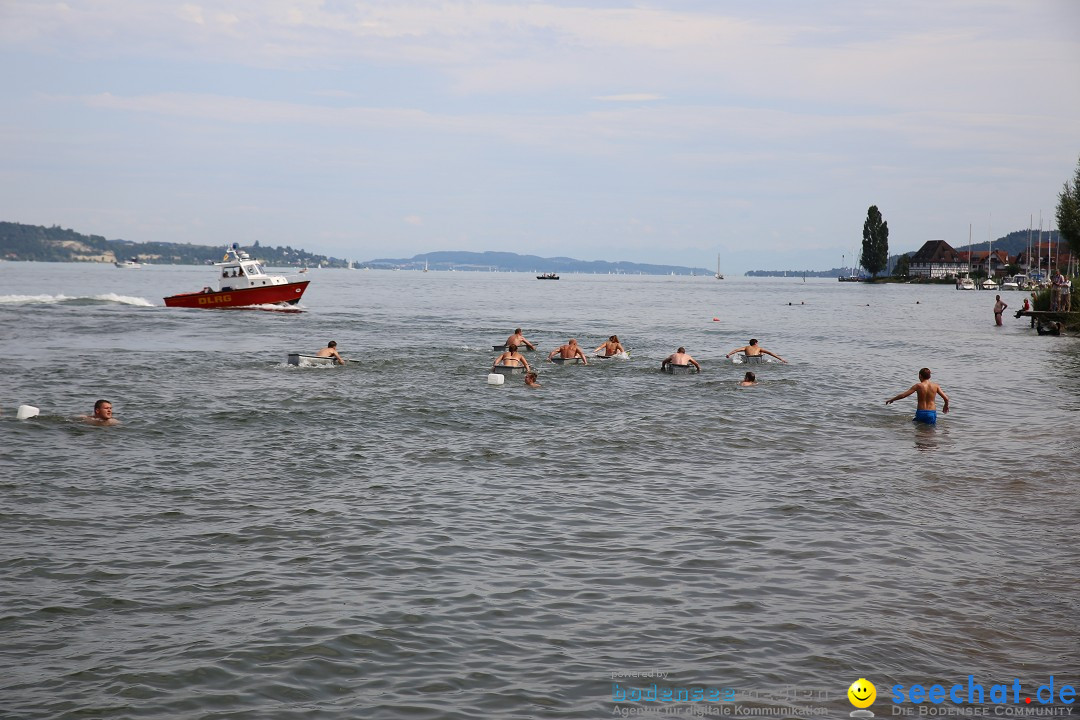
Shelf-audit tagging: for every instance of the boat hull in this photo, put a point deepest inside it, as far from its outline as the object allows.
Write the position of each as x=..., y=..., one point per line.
x=289, y=293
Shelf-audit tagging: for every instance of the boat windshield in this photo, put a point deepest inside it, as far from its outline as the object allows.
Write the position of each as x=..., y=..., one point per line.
x=254, y=269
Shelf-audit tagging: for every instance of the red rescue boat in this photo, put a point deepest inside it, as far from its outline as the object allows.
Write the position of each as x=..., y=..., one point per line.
x=242, y=281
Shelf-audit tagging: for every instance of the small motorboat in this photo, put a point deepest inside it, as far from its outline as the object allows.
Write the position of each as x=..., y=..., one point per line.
x=965, y=283
x=1010, y=283
x=242, y=282
x=130, y=264
x=547, y=276
x=989, y=284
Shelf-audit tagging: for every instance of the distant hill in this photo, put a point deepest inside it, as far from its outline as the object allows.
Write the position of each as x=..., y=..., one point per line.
x=56, y=244
x=512, y=262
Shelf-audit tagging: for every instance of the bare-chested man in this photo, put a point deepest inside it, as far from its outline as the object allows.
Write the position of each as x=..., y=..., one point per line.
x=569, y=351
x=331, y=351
x=511, y=358
x=754, y=350
x=518, y=339
x=927, y=407
x=611, y=347
x=999, y=307
x=679, y=357
x=102, y=414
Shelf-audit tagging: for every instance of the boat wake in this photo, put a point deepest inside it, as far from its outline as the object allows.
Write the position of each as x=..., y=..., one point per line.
x=104, y=299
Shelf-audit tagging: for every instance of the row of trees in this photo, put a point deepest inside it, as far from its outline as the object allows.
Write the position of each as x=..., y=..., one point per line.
x=875, y=233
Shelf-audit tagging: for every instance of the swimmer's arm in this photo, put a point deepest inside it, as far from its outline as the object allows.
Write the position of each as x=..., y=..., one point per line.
x=902, y=395
x=774, y=355
x=695, y=364
x=945, y=407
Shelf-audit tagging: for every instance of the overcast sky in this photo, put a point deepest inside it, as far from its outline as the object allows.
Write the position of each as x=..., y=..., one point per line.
x=653, y=132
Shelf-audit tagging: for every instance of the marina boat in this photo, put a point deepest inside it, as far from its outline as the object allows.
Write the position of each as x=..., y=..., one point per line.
x=989, y=284
x=547, y=276
x=1010, y=283
x=965, y=283
x=130, y=264
x=242, y=282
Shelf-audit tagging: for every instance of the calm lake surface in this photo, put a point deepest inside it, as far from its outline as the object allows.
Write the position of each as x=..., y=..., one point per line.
x=398, y=539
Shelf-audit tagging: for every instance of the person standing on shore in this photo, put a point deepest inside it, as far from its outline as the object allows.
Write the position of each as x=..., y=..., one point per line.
x=928, y=392
x=999, y=307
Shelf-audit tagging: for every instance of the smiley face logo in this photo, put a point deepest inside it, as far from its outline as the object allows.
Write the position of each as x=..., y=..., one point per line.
x=862, y=693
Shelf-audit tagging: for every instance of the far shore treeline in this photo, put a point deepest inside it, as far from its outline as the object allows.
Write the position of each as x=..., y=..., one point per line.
x=20, y=242
x=56, y=244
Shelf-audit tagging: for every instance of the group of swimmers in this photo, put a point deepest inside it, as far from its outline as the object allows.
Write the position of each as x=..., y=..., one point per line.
x=926, y=390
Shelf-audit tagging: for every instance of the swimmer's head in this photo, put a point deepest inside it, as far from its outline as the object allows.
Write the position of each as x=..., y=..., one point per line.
x=682, y=350
x=517, y=331
x=924, y=374
x=332, y=344
x=750, y=377
x=753, y=341
x=614, y=338
x=512, y=347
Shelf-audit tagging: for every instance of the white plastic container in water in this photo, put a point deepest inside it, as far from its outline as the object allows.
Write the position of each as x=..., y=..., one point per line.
x=26, y=411
x=496, y=379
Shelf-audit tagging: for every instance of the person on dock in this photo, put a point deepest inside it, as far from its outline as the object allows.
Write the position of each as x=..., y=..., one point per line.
x=511, y=358
x=518, y=339
x=754, y=350
x=331, y=351
x=748, y=379
x=999, y=307
x=569, y=351
x=611, y=347
x=926, y=411
x=1026, y=308
x=102, y=414
x=679, y=357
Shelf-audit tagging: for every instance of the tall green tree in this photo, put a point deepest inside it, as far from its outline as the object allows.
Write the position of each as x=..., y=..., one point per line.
x=903, y=266
x=875, y=242
x=1068, y=212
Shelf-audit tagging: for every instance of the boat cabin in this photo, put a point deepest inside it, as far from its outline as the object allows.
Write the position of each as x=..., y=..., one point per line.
x=240, y=272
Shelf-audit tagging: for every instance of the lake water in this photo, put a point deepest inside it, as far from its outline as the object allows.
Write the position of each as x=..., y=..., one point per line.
x=398, y=539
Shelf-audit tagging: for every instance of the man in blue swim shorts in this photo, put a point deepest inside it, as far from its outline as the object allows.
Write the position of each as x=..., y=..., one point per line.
x=927, y=395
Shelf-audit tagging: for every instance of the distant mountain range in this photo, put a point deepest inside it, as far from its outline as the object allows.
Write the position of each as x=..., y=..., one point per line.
x=512, y=262
x=56, y=244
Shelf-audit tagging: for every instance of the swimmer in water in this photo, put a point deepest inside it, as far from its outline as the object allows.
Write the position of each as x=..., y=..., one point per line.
x=530, y=380
x=748, y=380
x=754, y=350
x=611, y=347
x=511, y=358
x=681, y=358
x=102, y=414
x=927, y=395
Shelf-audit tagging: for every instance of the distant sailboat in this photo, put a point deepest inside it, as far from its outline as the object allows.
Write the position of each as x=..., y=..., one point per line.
x=719, y=275
x=425, y=264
